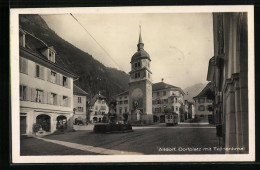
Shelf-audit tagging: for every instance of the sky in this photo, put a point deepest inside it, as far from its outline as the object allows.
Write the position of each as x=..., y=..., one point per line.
x=180, y=45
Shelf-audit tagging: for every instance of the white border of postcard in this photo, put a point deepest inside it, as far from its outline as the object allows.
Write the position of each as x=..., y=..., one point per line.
x=14, y=65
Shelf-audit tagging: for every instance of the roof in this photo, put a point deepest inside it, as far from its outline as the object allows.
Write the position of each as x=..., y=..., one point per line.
x=123, y=93
x=94, y=99
x=140, y=54
x=35, y=45
x=162, y=85
x=77, y=90
x=204, y=92
x=211, y=65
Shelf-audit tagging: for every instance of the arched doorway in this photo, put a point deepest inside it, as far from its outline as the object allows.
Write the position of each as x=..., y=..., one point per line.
x=61, y=122
x=104, y=119
x=44, y=121
x=94, y=119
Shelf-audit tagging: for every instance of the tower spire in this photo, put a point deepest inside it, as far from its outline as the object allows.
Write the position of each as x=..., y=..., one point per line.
x=140, y=44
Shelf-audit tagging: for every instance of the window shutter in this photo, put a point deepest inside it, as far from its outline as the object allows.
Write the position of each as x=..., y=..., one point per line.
x=69, y=101
x=61, y=77
x=61, y=100
x=28, y=93
x=49, y=75
x=42, y=72
x=33, y=97
x=58, y=79
x=58, y=100
x=49, y=97
x=68, y=82
x=25, y=66
x=45, y=97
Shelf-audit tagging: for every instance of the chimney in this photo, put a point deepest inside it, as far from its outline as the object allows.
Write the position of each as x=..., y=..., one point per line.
x=99, y=93
x=162, y=79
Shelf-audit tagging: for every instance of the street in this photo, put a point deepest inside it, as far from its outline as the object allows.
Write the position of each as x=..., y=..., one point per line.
x=186, y=138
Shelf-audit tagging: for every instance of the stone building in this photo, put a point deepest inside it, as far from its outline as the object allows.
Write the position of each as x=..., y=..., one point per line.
x=203, y=103
x=46, y=87
x=79, y=104
x=228, y=72
x=140, y=86
x=98, y=109
x=122, y=105
x=166, y=96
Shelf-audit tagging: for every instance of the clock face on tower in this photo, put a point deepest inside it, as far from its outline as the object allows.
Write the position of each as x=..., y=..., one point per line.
x=137, y=93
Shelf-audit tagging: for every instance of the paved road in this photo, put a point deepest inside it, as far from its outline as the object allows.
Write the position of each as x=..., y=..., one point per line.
x=157, y=139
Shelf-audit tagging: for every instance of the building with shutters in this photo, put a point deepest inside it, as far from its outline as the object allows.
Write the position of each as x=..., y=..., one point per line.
x=79, y=104
x=166, y=97
x=122, y=104
x=202, y=103
x=46, y=87
x=99, y=109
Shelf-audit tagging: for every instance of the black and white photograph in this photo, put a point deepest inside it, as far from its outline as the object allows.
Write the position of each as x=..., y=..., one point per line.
x=132, y=84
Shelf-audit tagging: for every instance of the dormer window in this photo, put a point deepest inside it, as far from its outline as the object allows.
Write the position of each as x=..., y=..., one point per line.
x=22, y=38
x=51, y=56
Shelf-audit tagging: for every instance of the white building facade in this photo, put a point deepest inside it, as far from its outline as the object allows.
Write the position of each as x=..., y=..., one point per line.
x=45, y=88
x=98, y=109
x=79, y=104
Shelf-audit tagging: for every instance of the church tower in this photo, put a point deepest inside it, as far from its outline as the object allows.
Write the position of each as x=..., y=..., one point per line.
x=140, y=85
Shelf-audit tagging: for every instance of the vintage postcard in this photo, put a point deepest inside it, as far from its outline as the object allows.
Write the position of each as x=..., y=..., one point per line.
x=132, y=84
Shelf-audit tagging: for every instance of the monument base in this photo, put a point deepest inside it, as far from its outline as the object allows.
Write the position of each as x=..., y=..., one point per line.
x=145, y=119
x=112, y=128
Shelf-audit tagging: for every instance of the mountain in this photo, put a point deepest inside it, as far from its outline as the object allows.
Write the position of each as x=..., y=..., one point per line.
x=93, y=75
x=192, y=91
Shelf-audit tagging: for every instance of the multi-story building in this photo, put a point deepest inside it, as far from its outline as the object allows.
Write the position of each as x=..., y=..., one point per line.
x=79, y=104
x=202, y=103
x=166, y=96
x=45, y=87
x=228, y=71
x=122, y=105
x=99, y=109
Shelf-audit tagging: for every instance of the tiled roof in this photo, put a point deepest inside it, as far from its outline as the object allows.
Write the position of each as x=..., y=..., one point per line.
x=34, y=45
x=204, y=91
x=94, y=99
x=77, y=90
x=162, y=85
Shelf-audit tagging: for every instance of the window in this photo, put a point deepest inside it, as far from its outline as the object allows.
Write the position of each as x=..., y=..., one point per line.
x=51, y=56
x=38, y=71
x=65, y=81
x=79, y=99
x=135, y=65
x=120, y=102
x=137, y=75
x=176, y=108
x=209, y=100
x=158, y=101
x=201, y=108
x=165, y=100
x=95, y=112
x=120, y=110
x=158, y=93
x=99, y=102
x=23, y=65
x=53, y=77
x=201, y=100
x=96, y=108
x=53, y=98
x=39, y=96
x=164, y=93
x=139, y=64
x=125, y=109
x=175, y=100
x=126, y=102
x=148, y=64
x=80, y=109
x=125, y=97
x=22, y=92
x=65, y=100
x=148, y=75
